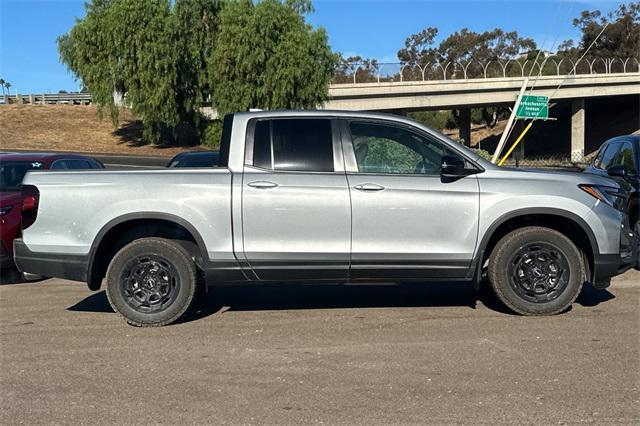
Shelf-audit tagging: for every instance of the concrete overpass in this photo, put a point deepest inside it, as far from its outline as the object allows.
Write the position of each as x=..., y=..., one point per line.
x=465, y=94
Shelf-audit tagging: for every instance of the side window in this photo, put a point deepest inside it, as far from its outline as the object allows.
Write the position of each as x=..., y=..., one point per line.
x=78, y=164
x=303, y=145
x=71, y=165
x=624, y=157
x=608, y=156
x=59, y=165
x=387, y=149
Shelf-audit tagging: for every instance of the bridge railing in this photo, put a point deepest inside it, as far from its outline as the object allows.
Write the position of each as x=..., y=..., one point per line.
x=48, y=99
x=379, y=72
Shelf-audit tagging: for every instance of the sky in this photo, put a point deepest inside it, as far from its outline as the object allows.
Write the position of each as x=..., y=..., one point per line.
x=369, y=28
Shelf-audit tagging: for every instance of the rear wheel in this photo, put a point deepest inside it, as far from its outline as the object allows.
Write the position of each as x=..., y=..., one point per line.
x=536, y=271
x=151, y=282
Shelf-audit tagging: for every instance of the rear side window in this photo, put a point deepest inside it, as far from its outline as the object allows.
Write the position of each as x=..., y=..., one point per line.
x=303, y=145
x=72, y=165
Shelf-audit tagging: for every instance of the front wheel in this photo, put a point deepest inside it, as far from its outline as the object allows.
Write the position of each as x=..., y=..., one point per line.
x=151, y=282
x=536, y=271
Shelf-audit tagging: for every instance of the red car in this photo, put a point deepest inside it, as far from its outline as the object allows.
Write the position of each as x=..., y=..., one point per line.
x=13, y=167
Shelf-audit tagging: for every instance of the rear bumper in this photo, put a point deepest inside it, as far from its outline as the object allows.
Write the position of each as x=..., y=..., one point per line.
x=70, y=267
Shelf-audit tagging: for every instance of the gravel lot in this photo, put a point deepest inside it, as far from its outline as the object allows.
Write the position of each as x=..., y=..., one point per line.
x=310, y=354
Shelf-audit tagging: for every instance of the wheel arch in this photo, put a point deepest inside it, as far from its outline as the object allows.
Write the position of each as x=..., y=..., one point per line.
x=126, y=228
x=566, y=222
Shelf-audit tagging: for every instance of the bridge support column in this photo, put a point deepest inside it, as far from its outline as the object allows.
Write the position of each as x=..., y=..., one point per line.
x=577, y=129
x=464, y=120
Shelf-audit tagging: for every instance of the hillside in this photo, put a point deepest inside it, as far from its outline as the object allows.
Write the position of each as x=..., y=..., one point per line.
x=79, y=129
x=72, y=129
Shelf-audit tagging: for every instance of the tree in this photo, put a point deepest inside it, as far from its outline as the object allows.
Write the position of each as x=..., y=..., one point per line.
x=466, y=45
x=196, y=25
x=620, y=39
x=2, y=83
x=154, y=53
x=418, y=48
x=358, y=68
x=266, y=56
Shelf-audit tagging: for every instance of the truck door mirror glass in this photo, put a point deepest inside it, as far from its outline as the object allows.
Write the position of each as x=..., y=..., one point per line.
x=453, y=166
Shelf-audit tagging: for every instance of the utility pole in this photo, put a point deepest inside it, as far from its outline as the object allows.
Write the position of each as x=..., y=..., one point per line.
x=512, y=117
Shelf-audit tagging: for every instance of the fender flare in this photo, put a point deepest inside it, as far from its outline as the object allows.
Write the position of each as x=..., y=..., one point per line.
x=550, y=211
x=137, y=216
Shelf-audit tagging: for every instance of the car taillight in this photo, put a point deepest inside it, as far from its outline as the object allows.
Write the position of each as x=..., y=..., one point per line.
x=30, y=198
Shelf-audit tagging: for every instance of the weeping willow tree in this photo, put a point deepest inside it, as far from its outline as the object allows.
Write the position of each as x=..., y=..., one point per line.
x=152, y=52
x=266, y=56
x=169, y=57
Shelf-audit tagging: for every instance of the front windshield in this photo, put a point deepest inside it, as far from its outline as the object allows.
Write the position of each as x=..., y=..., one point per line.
x=12, y=173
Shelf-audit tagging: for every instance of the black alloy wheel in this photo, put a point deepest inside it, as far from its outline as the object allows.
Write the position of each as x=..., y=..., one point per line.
x=539, y=272
x=149, y=283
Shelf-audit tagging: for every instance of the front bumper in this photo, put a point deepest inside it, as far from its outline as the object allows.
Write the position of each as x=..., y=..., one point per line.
x=58, y=265
x=610, y=265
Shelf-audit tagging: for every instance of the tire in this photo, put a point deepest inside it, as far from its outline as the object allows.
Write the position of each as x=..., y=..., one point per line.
x=536, y=271
x=151, y=282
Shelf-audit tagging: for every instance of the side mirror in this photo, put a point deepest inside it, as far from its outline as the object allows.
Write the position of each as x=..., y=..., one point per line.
x=452, y=167
x=617, y=171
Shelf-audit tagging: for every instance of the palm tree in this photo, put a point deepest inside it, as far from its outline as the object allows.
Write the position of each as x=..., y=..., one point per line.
x=7, y=85
x=2, y=82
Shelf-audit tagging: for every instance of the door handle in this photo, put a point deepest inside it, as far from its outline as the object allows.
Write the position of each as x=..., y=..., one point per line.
x=368, y=187
x=260, y=184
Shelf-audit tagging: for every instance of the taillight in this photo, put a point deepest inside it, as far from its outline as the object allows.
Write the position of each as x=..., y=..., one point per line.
x=30, y=198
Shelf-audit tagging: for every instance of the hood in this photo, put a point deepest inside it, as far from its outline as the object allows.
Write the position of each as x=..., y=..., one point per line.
x=560, y=175
x=10, y=197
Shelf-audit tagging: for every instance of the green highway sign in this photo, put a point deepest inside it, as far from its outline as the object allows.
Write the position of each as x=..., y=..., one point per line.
x=533, y=107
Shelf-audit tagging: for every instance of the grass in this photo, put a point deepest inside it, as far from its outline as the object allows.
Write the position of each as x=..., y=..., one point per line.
x=73, y=128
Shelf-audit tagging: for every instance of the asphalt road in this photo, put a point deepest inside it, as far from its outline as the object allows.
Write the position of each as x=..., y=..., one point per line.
x=310, y=354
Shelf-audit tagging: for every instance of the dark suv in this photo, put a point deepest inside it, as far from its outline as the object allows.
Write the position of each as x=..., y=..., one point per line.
x=619, y=158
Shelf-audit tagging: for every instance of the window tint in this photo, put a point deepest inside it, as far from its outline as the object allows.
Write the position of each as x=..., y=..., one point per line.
x=293, y=145
x=71, y=165
x=388, y=149
x=608, y=156
x=196, y=161
x=624, y=157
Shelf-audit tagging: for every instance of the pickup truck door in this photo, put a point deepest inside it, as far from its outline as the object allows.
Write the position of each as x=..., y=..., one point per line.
x=407, y=222
x=296, y=214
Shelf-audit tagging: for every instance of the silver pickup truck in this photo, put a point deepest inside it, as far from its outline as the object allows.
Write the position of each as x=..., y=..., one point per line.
x=325, y=196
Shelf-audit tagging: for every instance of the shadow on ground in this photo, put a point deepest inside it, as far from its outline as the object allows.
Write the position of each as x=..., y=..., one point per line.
x=291, y=296
x=130, y=133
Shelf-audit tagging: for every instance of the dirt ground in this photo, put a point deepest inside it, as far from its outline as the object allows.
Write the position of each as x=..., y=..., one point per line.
x=437, y=353
x=72, y=128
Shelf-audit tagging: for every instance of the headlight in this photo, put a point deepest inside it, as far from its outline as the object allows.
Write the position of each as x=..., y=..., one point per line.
x=609, y=195
x=5, y=210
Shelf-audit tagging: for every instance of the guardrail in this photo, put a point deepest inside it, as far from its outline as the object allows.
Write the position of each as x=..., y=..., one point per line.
x=373, y=71
x=49, y=99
